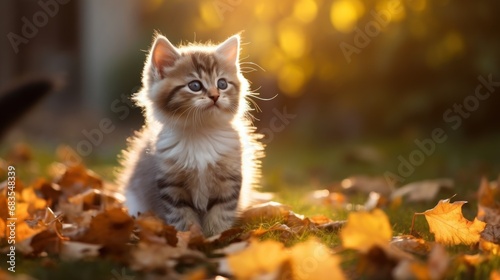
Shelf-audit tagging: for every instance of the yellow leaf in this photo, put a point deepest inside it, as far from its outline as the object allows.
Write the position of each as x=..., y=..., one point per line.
x=34, y=201
x=450, y=227
x=366, y=229
x=259, y=258
x=312, y=260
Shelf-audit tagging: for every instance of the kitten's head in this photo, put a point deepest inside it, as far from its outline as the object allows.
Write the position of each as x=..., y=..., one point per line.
x=193, y=84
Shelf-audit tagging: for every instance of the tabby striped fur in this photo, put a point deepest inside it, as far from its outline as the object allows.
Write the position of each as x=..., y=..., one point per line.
x=196, y=159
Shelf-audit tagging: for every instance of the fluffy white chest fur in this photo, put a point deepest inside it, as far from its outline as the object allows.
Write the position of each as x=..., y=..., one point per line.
x=194, y=149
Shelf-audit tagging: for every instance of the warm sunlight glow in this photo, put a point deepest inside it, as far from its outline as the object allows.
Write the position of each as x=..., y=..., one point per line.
x=344, y=14
x=292, y=41
x=261, y=37
x=417, y=5
x=264, y=10
x=305, y=10
x=291, y=78
x=273, y=60
x=209, y=15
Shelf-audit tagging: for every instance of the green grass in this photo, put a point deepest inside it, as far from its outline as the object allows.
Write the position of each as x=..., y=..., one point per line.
x=294, y=175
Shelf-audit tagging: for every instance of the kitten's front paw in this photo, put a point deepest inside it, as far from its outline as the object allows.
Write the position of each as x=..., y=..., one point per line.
x=183, y=220
x=215, y=223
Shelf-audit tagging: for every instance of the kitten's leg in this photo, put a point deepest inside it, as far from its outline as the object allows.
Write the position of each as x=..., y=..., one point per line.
x=221, y=213
x=180, y=211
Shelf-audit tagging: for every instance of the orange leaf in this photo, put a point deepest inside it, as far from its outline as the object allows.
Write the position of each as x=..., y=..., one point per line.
x=259, y=258
x=111, y=229
x=366, y=229
x=450, y=227
x=35, y=202
x=312, y=260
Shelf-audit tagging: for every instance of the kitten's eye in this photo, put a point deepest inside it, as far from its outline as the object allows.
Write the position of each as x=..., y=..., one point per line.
x=195, y=86
x=222, y=84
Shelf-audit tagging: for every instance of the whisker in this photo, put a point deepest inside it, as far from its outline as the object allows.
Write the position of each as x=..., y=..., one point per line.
x=253, y=64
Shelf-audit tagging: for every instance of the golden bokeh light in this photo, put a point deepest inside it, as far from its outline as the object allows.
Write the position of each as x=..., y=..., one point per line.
x=305, y=10
x=291, y=78
x=292, y=40
x=395, y=8
x=344, y=14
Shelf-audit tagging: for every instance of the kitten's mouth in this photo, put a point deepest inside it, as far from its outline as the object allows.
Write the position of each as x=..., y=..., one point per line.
x=213, y=106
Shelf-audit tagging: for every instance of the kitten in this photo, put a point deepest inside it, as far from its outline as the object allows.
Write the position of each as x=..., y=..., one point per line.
x=196, y=159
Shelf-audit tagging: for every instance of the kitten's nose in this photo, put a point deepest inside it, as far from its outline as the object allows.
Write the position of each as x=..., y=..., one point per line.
x=214, y=97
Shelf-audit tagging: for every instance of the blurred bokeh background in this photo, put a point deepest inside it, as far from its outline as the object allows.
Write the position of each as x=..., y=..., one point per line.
x=357, y=82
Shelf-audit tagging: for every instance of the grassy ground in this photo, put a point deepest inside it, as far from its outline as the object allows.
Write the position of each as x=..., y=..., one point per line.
x=293, y=175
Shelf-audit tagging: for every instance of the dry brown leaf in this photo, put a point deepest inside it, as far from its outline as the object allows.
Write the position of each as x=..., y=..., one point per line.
x=257, y=259
x=158, y=257
x=365, y=184
x=365, y=230
x=312, y=260
x=111, y=228
x=76, y=179
x=45, y=241
x=411, y=244
x=491, y=233
x=320, y=219
x=226, y=237
x=438, y=262
x=153, y=229
x=426, y=190
x=49, y=191
x=280, y=231
x=266, y=211
x=489, y=202
x=449, y=226
x=434, y=269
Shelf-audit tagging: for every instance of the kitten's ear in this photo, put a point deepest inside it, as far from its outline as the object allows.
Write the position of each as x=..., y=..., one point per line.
x=230, y=49
x=163, y=53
